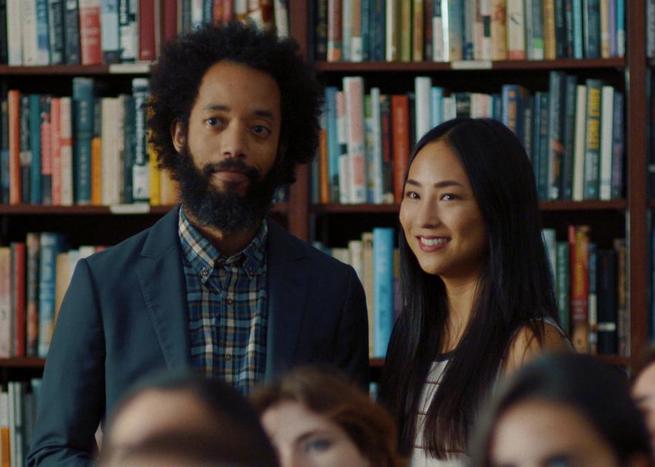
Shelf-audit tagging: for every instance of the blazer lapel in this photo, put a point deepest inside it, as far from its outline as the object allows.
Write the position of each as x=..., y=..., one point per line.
x=287, y=289
x=161, y=279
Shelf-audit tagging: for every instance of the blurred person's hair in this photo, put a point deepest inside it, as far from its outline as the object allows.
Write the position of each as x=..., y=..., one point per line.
x=236, y=433
x=328, y=394
x=599, y=393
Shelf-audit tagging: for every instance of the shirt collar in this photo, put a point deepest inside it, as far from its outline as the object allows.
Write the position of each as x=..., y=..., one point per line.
x=204, y=257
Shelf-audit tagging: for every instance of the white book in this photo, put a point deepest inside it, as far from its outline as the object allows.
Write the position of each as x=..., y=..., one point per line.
x=356, y=44
x=353, y=89
x=346, y=29
x=109, y=27
x=483, y=30
x=111, y=143
x=140, y=168
x=66, y=142
x=281, y=17
x=422, y=110
x=481, y=105
x=196, y=14
x=11, y=409
x=14, y=32
x=391, y=31
x=341, y=254
x=606, y=117
x=515, y=30
x=30, y=43
x=374, y=149
x=579, y=152
x=449, y=108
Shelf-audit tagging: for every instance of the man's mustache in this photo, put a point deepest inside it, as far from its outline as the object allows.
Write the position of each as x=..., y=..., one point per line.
x=231, y=165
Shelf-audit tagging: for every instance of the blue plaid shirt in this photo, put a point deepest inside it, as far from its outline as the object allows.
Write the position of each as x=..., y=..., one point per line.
x=226, y=299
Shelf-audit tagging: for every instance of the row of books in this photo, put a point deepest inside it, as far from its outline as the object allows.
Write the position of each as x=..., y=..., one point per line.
x=34, y=276
x=590, y=284
x=591, y=289
x=455, y=30
x=376, y=261
x=573, y=133
x=90, y=32
x=79, y=149
x=18, y=404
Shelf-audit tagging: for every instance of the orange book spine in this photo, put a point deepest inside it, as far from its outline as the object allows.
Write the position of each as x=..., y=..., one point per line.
x=96, y=171
x=323, y=168
x=579, y=252
x=13, y=102
x=399, y=142
x=550, y=48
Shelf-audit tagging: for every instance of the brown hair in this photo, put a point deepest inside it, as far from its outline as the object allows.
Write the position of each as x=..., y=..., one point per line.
x=330, y=395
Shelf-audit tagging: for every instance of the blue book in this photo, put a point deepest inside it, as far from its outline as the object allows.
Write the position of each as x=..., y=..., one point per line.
x=555, y=127
x=36, y=196
x=110, y=31
x=83, y=112
x=51, y=246
x=25, y=149
x=617, y=147
x=578, y=32
x=383, y=240
x=543, y=149
x=591, y=26
x=620, y=28
x=562, y=284
x=56, y=31
x=365, y=8
x=378, y=30
x=332, y=140
x=42, y=36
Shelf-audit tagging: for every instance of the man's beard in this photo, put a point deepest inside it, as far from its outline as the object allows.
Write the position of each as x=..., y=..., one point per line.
x=226, y=209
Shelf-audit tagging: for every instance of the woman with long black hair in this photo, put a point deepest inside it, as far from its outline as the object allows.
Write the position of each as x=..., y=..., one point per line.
x=477, y=290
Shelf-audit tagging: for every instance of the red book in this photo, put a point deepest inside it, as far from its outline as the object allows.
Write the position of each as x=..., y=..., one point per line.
x=90, y=45
x=217, y=12
x=228, y=11
x=55, y=149
x=400, y=142
x=18, y=292
x=169, y=19
x=13, y=101
x=147, y=30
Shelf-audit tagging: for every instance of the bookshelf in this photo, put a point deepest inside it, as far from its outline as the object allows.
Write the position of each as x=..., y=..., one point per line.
x=310, y=221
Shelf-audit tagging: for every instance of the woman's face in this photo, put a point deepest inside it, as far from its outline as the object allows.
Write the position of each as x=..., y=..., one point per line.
x=644, y=393
x=440, y=217
x=538, y=433
x=303, y=438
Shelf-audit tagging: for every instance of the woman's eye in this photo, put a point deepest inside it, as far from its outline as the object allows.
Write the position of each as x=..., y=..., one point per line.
x=318, y=445
x=448, y=197
x=411, y=195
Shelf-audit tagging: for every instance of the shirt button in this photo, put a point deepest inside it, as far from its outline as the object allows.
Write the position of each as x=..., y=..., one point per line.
x=230, y=301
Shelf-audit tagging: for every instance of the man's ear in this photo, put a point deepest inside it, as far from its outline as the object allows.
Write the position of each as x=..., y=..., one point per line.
x=178, y=135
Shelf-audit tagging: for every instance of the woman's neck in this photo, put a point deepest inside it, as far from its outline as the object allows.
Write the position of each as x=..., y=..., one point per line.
x=461, y=298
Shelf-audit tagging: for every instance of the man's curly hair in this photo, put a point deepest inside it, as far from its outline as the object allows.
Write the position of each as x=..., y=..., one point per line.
x=184, y=62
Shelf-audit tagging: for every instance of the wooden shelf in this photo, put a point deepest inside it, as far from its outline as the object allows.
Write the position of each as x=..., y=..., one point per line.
x=76, y=70
x=22, y=362
x=335, y=208
x=126, y=209
x=468, y=65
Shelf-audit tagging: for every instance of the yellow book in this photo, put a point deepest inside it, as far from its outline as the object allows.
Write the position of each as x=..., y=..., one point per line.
x=550, y=46
x=155, y=179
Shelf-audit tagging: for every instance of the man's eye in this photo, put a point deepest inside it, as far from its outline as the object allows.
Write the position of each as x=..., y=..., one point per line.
x=261, y=130
x=214, y=121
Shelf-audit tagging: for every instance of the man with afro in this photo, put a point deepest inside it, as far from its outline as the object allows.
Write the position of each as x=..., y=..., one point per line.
x=214, y=285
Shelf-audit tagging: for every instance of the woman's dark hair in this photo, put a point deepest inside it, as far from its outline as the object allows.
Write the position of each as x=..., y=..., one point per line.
x=330, y=395
x=244, y=443
x=514, y=290
x=184, y=62
x=596, y=391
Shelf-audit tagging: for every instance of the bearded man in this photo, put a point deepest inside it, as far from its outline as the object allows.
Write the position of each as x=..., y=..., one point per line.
x=214, y=285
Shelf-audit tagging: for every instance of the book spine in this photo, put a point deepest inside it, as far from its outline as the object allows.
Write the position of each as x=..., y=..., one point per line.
x=55, y=145
x=14, y=33
x=72, y=54
x=516, y=30
x=29, y=32
x=333, y=141
x=56, y=31
x=33, y=243
x=579, y=251
x=592, y=139
x=578, y=32
x=110, y=36
x=617, y=147
x=91, y=50
x=13, y=102
x=146, y=28
x=400, y=141
x=606, y=290
x=4, y=45
x=128, y=31
x=18, y=273
x=140, y=168
x=83, y=112
x=556, y=154
x=42, y=36
x=27, y=169
x=4, y=151
x=335, y=31
x=568, y=135
x=320, y=30
x=417, y=31
x=383, y=238
x=6, y=325
x=66, y=143
x=354, y=97
x=46, y=150
x=591, y=26
x=562, y=286
x=550, y=50
x=129, y=146
x=606, y=123
x=50, y=247
x=560, y=29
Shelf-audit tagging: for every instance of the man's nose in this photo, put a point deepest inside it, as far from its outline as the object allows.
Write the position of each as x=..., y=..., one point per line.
x=234, y=140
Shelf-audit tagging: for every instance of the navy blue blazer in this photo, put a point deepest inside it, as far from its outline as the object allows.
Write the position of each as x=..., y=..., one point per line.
x=125, y=315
